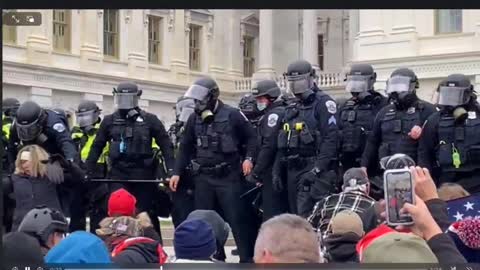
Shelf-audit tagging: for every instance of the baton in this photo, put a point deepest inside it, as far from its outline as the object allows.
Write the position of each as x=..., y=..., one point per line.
x=128, y=181
x=250, y=192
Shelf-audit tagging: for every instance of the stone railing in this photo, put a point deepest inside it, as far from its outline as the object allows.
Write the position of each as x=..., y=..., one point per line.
x=326, y=80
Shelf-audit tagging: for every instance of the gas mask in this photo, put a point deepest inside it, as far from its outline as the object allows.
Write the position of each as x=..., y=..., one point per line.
x=460, y=114
x=402, y=91
x=204, y=109
x=364, y=97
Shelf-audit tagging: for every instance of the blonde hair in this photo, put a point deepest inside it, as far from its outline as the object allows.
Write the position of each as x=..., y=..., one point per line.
x=37, y=155
x=451, y=191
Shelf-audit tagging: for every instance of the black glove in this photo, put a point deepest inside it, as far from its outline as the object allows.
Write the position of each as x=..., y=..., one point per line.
x=55, y=172
x=277, y=183
x=252, y=178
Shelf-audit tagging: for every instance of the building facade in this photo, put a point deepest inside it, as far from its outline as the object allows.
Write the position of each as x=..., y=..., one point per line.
x=84, y=54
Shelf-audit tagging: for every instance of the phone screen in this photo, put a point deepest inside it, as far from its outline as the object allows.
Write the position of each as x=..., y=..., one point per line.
x=398, y=191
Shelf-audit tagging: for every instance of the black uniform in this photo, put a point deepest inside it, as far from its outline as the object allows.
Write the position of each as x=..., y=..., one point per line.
x=129, y=132
x=215, y=148
x=183, y=202
x=356, y=115
x=450, y=144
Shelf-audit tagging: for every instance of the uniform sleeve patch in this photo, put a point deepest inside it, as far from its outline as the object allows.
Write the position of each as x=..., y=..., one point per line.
x=331, y=106
x=59, y=127
x=332, y=120
x=272, y=120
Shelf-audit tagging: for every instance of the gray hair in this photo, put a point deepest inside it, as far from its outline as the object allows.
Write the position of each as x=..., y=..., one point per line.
x=289, y=238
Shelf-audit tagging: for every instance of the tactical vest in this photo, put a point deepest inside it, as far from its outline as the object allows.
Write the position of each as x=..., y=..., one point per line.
x=6, y=129
x=300, y=134
x=459, y=145
x=395, y=126
x=215, y=141
x=357, y=123
x=86, y=142
x=131, y=139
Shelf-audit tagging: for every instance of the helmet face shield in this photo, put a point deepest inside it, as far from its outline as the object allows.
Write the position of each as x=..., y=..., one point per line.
x=28, y=132
x=451, y=96
x=299, y=84
x=88, y=118
x=184, y=109
x=399, y=84
x=357, y=83
x=197, y=92
x=125, y=100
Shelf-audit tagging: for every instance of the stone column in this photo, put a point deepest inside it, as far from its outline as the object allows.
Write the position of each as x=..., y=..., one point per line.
x=137, y=56
x=42, y=96
x=39, y=47
x=178, y=52
x=91, y=53
x=310, y=37
x=234, y=38
x=216, y=31
x=265, y=65
x=403, y=30
x=371, y=33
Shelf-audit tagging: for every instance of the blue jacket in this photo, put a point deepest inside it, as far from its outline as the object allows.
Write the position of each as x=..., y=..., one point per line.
x=79, y=247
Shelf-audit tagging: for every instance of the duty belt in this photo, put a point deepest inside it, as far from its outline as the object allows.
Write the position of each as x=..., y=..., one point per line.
x=298, y=162
x=218, y=170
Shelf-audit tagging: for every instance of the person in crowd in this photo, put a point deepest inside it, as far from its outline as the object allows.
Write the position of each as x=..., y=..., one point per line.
x=30, y=185
x=48, y=226
x=347, y=230
x=354, y=196
x=429, y=221
x=194, y=242
x=220, y=228
x=466, y=235
x=132, y=240
x=79, y=247
x=395, y=247
x=452, y=191
x=287, y=238
x=21, y=248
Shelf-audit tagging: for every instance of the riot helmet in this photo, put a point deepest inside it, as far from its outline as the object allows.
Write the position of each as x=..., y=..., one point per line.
x=126, y=96
x=41, y=222
x=184, y=108
x=360, y=80
x=396, y=161
x=401, y=87
x=265, y=89
x=248, y=106
x=29, y=121
x=300, y=76
x=455, y=91
x=10, y=107
x=204, y=92
x=87, y=114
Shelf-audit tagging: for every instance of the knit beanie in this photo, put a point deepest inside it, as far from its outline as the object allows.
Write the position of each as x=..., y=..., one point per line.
x=194, y=240
x=121, y=203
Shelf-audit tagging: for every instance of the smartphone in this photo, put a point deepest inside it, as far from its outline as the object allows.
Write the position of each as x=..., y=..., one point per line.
x=399, y=190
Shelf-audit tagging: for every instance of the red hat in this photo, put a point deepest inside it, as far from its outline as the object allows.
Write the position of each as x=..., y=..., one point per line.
x=121, y=203
x=370, y=237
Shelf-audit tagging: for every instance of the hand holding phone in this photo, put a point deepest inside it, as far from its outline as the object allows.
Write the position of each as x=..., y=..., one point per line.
x=399, y=189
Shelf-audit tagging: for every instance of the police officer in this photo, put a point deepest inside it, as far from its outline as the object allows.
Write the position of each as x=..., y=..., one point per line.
x=9, y=111
x=248, y=106
x=307, y=143
x=268, y=101
x=183, y=199
x=212, y=139
x=49, y=129
x=355, y=115
x=129, y=132
x=92, y=196
x=398, y=126
x=450, y=144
